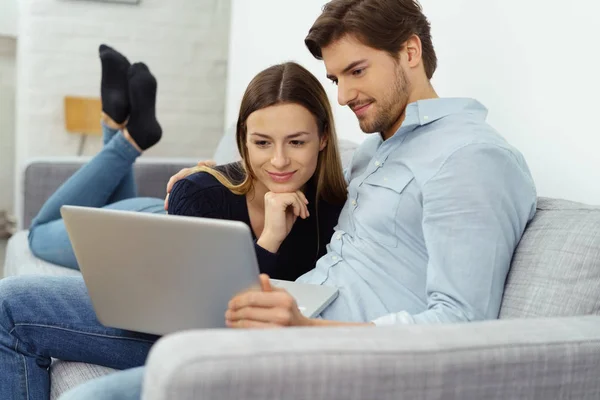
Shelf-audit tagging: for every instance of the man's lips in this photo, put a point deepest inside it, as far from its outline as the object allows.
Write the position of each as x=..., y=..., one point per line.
x=281, y=177
x=360, y=110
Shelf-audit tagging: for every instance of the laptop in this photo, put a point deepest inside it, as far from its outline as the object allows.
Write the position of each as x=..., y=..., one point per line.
x=160, y=274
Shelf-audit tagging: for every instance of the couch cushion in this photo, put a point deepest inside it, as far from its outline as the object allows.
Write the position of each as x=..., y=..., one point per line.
x=66, y=375
x=556, y=267
x=20, y=261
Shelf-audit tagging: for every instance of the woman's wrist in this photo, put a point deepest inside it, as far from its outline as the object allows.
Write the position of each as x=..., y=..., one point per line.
x=267, y=242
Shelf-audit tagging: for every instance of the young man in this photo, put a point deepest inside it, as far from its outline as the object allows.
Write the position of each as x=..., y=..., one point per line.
x=437, y=201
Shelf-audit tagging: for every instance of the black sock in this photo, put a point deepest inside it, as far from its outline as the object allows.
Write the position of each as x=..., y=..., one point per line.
x=113, y=89
x=142, y=125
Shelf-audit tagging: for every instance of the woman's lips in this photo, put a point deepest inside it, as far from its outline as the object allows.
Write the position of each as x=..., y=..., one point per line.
x=281, y=178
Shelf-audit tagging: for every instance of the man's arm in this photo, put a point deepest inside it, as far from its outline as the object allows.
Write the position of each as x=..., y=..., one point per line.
x=475, y=209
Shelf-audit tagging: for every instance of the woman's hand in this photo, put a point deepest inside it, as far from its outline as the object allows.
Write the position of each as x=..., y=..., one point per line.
x=182, y=174
x=281, y=212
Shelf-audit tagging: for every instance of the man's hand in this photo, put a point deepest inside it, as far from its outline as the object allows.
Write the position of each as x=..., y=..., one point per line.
x=182, y=174
x=268, y=308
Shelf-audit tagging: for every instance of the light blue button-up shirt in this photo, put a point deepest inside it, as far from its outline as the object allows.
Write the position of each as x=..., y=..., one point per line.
x=433, y=217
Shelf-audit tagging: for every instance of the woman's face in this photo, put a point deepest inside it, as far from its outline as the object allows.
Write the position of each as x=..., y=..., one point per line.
x=283, y=147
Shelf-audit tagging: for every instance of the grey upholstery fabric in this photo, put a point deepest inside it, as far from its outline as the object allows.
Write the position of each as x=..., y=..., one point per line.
x=511, y=359
x=556, y=268
x=66, y=375
x=43, y=177
x=20, y=261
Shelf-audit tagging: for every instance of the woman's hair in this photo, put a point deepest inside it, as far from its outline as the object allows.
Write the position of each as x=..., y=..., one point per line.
x=290, y=83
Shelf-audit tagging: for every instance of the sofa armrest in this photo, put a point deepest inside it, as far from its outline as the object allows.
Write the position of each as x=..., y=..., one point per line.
x=506, y=359
x=41, y=178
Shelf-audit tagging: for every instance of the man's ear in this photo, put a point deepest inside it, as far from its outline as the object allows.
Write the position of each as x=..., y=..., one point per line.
x=414, y=50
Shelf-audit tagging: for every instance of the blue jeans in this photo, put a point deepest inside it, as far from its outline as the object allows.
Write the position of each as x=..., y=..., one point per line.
x=106, y=181
x=52, y=317
x=44, y=317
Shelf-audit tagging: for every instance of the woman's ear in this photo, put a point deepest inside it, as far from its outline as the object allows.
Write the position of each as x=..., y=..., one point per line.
x=323, y=143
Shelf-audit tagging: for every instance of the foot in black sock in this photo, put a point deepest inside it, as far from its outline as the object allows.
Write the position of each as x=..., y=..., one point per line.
x=114, y=87
x=142, y=125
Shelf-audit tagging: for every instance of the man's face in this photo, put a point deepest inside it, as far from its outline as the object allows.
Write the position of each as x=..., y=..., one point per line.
x=371, y=82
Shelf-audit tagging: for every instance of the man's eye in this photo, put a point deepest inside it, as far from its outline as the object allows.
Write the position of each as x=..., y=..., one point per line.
x=358, y=72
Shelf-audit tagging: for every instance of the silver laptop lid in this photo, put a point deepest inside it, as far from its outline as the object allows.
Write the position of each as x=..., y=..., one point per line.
x=191, y=267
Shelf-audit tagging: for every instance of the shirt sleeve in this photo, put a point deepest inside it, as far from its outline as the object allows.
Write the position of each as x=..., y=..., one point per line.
x=475, y=209
x=192, y=200
x=267, y=261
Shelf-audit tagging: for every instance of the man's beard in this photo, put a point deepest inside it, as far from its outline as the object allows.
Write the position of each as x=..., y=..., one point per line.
x=390, y=108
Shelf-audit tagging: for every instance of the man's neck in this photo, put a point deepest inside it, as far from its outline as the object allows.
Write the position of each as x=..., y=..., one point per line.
x=426, y=92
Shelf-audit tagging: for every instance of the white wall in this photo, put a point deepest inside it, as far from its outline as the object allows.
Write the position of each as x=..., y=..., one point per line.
x=532, y=63
x=184, y=42
x=7, y=121
x=8, y=18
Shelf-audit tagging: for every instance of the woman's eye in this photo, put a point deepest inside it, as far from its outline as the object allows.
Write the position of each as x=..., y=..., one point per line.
x=297, y=143
x=261, y=143
x=358, y=72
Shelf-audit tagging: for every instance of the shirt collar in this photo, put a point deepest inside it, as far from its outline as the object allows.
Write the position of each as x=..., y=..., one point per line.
x=424, y=112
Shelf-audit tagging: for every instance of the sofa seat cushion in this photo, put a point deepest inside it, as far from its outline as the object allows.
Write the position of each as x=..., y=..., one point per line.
x=556, y=267
x=20, y=261
x=66, y=375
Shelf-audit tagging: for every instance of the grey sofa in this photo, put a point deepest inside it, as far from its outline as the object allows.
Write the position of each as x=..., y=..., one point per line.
x=545, y=345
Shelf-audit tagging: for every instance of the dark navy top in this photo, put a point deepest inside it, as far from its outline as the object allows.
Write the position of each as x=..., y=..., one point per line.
x=202, y=195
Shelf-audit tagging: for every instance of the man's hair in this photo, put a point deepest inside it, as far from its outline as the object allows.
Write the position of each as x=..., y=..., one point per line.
x=381, y=24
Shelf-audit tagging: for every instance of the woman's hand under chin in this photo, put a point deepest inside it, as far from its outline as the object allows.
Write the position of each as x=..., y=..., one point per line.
x=281, y=212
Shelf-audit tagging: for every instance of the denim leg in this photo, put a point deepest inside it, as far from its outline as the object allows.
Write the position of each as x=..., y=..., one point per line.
x=50, y=241
x=127, y=188
x=123, y=385
x=94, y=183
x=47, y=316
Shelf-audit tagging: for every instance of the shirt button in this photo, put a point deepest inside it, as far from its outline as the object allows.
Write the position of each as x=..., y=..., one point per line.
x=334, y=258
x=354, y=203
x=339, y=237
x=425, y=117
x=377, y=163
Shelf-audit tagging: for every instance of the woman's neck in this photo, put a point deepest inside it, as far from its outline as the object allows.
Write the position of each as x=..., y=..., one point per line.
x=256, y=197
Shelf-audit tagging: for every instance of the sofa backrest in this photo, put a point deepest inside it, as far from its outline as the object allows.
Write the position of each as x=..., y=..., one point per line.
x=556, y=267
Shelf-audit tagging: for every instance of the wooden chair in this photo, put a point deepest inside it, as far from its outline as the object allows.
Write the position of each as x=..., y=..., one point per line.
x=82, y=117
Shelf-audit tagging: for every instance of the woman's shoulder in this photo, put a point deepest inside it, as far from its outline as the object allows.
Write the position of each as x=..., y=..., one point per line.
x=200, y=194
x=206, y=180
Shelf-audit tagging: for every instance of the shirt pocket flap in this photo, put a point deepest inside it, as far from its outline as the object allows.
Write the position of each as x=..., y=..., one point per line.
x=396, y=182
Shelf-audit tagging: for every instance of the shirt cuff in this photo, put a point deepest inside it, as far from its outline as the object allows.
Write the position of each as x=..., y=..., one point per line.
x=267, y=261
x=401, y=318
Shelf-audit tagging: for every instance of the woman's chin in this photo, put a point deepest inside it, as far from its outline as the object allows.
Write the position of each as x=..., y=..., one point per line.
x=283, y=187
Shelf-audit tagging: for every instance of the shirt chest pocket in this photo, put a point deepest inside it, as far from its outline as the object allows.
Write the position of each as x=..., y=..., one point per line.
x=376, y=206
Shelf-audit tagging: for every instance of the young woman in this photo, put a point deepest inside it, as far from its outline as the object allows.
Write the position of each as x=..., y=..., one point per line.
x=288, y=187
x=290, y=168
